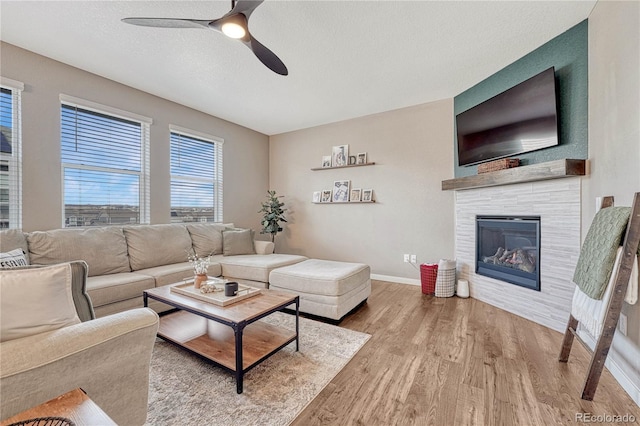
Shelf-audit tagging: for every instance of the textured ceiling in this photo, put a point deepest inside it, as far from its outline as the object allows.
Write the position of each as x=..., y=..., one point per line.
x=345, y=58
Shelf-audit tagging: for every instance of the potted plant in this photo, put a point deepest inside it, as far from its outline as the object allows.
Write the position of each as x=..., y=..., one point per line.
x=273, y=214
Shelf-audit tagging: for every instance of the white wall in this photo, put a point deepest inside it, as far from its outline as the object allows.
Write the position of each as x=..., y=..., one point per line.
x=614, y=140
x=412, y=151
x=246, y=152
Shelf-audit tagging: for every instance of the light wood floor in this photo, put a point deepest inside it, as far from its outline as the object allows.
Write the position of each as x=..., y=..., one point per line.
x=452, y=361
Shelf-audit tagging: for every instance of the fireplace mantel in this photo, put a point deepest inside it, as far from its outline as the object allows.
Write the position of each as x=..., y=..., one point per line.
x=543, y=171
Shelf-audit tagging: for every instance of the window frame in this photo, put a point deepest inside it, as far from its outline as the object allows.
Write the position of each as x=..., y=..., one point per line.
x=145, y=142
x=218, y=179
x=14, y=159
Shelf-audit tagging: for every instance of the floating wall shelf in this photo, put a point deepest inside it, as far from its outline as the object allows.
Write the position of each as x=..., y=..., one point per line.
x=315, y=169
x=347, y=202
x=543, y=171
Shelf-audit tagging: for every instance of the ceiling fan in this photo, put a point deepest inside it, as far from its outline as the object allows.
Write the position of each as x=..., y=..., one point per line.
x=234, y=24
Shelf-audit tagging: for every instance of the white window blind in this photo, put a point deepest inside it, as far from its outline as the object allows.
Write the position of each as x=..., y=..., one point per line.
x=10, y=154
x=196, y=177
x=105, y=170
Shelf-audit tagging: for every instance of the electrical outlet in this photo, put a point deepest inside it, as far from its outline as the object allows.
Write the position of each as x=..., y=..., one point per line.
x=622, y=324
x=406, y=258
x=414, y=258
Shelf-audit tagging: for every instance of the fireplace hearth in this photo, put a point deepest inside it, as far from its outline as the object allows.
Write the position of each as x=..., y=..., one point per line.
x=508, y=249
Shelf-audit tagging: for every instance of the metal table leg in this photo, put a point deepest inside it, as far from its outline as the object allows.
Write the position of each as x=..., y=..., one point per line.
x=239, y=367
x=297, y=323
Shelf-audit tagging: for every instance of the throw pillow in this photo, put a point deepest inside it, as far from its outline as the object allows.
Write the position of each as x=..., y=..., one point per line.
x=237, y=241
x=13, y=259
x=35, y=301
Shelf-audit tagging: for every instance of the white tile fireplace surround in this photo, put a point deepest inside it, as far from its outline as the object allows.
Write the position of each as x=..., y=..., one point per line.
x=557, y=202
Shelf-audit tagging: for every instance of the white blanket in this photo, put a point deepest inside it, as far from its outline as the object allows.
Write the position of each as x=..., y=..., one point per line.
x=591, y=312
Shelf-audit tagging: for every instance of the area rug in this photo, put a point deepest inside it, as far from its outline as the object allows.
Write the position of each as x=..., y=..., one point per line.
x=186, y=390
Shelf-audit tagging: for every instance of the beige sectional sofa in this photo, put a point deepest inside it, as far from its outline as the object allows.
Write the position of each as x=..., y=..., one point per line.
x=125, y=261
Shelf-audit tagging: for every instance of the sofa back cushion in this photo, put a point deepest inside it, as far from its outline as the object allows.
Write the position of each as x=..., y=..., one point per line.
x=104, y=249
x=157, y=245
x=11, y=239
x=35, y=300
x=207, y=237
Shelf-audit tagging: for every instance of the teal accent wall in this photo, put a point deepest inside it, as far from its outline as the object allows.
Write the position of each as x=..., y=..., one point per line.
x=568, y=53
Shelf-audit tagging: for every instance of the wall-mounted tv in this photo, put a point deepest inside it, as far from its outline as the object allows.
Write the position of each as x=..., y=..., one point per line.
x=520, y=119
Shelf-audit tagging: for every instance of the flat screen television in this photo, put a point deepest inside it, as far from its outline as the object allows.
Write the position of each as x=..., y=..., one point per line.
x=520, y=119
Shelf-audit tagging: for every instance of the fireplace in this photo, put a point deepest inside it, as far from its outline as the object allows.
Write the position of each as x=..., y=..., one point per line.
x=508, y=249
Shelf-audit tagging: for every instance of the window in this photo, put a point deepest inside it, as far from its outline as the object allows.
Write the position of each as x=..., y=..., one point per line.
x=196, y=177
x=10, y=154
x=105, y=158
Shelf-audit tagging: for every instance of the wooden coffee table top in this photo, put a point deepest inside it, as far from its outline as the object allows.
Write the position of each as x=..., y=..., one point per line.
x=244, y=310
x=74, y=405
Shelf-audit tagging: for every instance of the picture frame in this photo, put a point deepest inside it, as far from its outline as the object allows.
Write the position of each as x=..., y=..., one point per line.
x=340, y=156
x=367, y=196
x=341, y=191
x=326, y=161
x=361, y=158
x=326, y=196
x=317, y=196
x=354, y=197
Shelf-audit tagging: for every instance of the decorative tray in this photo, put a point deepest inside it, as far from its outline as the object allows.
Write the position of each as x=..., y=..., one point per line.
x=217, y=298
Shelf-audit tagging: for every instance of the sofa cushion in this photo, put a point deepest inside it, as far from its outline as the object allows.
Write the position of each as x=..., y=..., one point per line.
x=333, y=307
x=112, y=288
x=256, y=267
x=104, y=249
x=13, y=259
x=322, y=277
x=157, y=245
x=11, y=239
x=207, y=237
x=177, y=272
x=35, y=300
x=237, y=242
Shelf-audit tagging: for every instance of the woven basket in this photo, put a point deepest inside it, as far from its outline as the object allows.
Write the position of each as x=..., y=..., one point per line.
x=501, y=164
x=446, y=281
x=428, y=276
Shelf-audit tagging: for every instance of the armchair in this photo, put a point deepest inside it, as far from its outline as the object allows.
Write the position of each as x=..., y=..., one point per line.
x=107, y=357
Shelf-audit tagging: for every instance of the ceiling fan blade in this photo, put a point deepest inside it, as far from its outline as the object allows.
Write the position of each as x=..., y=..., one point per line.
x=246, y=7
x=267, y=57
x=168, y=22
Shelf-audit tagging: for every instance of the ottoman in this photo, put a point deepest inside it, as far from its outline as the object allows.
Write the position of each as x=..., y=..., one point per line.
x=326, y=288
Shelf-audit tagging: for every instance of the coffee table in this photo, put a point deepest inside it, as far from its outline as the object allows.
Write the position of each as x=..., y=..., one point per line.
x=232, y=336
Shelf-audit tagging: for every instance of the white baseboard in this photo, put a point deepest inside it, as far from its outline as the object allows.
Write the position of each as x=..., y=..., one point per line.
x=631, y=386
x=400, y=280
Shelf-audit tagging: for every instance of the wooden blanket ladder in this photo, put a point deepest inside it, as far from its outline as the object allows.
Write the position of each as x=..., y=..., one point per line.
x=599, y=354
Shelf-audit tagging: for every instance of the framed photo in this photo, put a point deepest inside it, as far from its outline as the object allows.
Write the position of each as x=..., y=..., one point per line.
x=326, y=196
x=339, y=155
x=367, y=195
x=355, y=195
x=317, y=196
x=341, y=191
x=362, y=158
x=326, y=161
